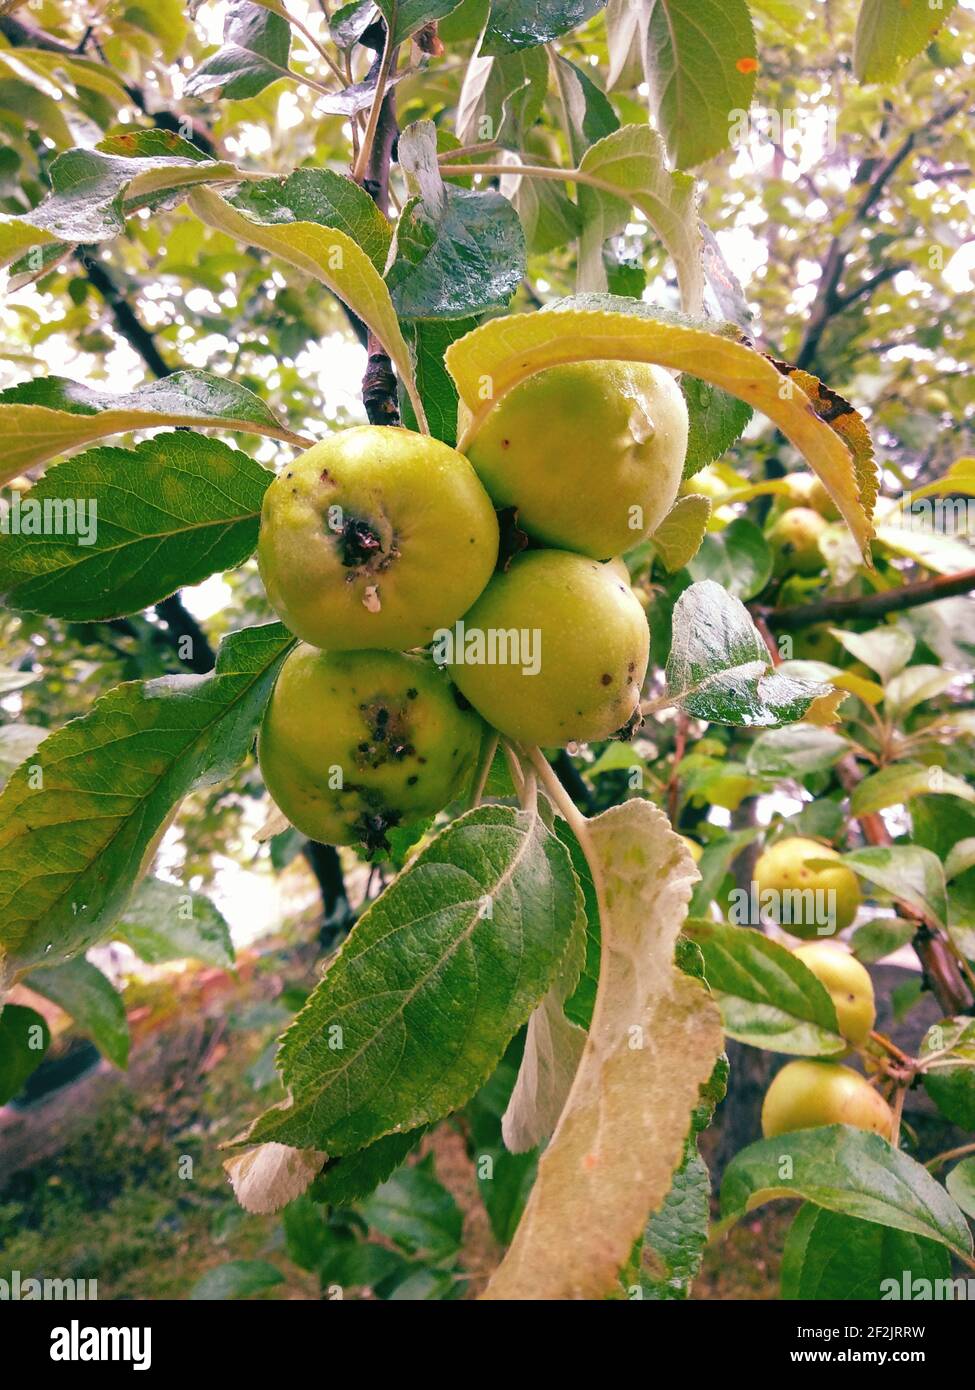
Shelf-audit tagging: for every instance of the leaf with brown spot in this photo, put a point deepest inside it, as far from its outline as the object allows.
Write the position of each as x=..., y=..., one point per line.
x=845, y=421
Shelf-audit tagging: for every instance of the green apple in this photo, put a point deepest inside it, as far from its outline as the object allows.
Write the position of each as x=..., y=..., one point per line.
x=849, y=984
x=807, y=1094
x=353, y=743
x=591, y=454
x=554, y=651
x=374, y=538
x=806, y=490
x=794, y=537
x=807, y=902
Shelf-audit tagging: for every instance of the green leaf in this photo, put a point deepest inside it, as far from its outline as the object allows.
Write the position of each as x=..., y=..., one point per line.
x=880, y=937
x=165, y=922
x=415, y=1211
x=796, y=751
x=588, y=111
x=582, y=1001
x=716, y=422
x=849, y=1171
x=129, y=528
x=309, y=1238
x=676, y=1235
x=503, y=1179
x=548, y=217
x=93, y=192
x=27, y=104
x=625, y=23
x=767, y=997
x=73, y=838
x=716, y=860
x=515, y=24
x=235, y=1279
x=328, y=255
x=950, y=1079
x=324, y=198
x=654, y=1040
x=353, y=1263
x=49, y=415
x=97, y=1007
x=891, y=32
x=900, y=782
x=502, y=98
x=24, y=1038
x=719, y=667
x=629, y=169
x=80, y=72
x=831, y=1256
x=738, y=558
x=886, y=650
x=427, y=1000
x=961, y=1185
x=353, y=1176
x=908, y=872
x=913, y=686
x=700, y=64
x=458, y=251
x=404, y=17
x=255, y=51
x=678, y=537
x=429, y=340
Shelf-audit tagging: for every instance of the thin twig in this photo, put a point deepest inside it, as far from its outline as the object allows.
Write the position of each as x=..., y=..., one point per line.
x=948, y=1155
x=875, y=605
x=484, y=771
x=365, y=149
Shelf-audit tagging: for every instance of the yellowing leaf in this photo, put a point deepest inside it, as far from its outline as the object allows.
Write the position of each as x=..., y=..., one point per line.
x=654, y=1039
x=866, y=690
x=329, y=256
x=825, y=709
x=959, y=478
x=43, y=418
x=494, y=358
x=847, y=422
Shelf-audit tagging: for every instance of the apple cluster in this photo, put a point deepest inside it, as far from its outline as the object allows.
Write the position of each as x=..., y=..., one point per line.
x=807, y=1093
x=379, y=549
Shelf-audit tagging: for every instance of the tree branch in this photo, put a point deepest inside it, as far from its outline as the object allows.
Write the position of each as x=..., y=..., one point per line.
x=876, y=176
x=379, y=383
x=185, y=635
x=123, y=314
x=843, y=301
x=869, y=605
